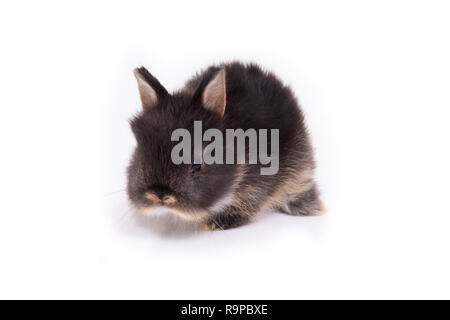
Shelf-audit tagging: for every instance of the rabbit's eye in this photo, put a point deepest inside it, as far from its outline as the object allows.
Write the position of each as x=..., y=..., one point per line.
x=196, y=167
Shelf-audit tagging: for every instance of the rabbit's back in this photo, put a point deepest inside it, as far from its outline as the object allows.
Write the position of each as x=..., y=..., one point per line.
x=256, y=99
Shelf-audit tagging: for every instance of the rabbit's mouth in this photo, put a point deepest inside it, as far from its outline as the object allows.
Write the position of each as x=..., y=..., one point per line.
x=163, y=210
x=160, y=210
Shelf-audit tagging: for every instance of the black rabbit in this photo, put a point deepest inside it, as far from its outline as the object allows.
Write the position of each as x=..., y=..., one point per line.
x=221, y=196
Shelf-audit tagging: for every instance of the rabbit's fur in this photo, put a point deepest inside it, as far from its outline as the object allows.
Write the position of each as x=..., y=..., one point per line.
x=221, y=196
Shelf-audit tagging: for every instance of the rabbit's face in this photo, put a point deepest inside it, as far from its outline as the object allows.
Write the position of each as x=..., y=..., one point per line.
x=154, y=179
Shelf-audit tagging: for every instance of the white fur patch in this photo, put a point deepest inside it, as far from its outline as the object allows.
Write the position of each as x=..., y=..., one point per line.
x=159, y=211
x=223, y=202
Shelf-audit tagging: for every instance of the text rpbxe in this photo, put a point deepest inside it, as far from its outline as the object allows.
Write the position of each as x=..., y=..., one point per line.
x=231, y=309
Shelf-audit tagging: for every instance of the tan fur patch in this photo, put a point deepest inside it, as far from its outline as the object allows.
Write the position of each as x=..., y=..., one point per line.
x=169, y=199
x=205, y=227
x=298, y=183
x=323, y=210
x=151, y=196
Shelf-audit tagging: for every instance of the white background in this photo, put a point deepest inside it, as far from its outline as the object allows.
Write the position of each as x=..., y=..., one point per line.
x=373, y=78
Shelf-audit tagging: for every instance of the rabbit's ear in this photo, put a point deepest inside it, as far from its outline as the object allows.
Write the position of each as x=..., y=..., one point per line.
x=150, y=90
x=214, y=95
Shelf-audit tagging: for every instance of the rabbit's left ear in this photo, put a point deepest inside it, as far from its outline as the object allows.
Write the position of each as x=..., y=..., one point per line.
x=214, y=96
x=150, y=90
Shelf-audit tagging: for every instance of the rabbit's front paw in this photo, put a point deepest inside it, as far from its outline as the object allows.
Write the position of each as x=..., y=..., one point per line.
x=207, y=226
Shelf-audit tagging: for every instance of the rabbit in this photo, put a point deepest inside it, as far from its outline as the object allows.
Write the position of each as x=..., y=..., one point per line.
x=220, y=196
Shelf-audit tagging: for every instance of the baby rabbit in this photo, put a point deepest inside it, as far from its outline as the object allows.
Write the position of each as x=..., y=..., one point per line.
x=221, y=195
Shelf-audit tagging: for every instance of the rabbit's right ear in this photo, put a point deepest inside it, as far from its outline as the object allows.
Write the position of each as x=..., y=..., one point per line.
x=150, y=90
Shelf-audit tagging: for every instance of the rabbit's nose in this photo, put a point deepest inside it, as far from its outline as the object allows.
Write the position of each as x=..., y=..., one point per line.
x=160, y=194
x=160, y=191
